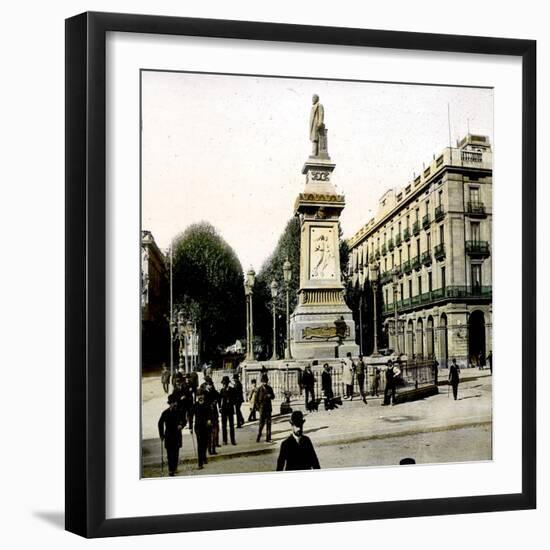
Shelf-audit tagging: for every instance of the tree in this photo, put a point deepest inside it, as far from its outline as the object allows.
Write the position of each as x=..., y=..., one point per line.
x=208, y=287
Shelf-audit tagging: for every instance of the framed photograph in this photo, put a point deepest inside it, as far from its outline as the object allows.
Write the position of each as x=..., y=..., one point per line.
x=282, y=292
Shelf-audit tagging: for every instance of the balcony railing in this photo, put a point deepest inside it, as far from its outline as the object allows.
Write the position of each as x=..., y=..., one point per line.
x=476, y=208
x=390, y=245
x=398, y=240
x=416, y=227
x=386, y=277
x=377, y=255
x=416, y=263
x=426, y=221
x=427, y=257
x=384, y=250
x=447, y=293
x=406, y=267
x=439, y=213
x=477, y=248
x=406, y=234
x=439, y=251
x=472, y=157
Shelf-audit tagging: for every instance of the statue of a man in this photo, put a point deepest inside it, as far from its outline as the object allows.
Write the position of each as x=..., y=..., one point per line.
x=316, y=124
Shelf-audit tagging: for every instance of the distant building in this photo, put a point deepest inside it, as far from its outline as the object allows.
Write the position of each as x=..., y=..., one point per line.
x=154, y=303
x=432, y=242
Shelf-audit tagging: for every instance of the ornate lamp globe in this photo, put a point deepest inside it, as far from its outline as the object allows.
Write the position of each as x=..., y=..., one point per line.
x=274, y=288
x=287, y=271
x=250, y=277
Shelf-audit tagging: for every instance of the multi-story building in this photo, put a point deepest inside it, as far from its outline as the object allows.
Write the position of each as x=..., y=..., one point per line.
x=154, y=302
x=432, y=243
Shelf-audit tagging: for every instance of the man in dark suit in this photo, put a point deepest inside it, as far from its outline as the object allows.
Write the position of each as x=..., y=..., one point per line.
x=308, y=383
x=202, y=427
x=391, y=374
x=297, y=452
x=239, y=399
x=454, y=377
x=227, y=409
x=170, y=424
x=263, y=401
x=326, y=385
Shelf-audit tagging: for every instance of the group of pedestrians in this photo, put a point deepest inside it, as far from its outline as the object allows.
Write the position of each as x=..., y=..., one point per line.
x=203, y=409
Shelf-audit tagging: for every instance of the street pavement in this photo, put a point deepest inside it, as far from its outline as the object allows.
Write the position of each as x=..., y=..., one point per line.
x=437, y=429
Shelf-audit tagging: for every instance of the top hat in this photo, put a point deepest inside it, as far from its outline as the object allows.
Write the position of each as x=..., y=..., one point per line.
x=297, y=418
x=264, y=378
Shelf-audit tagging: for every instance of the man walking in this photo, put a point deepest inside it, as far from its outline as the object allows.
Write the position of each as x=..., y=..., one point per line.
x=391, y=374
x=211, y=398
x=308, y=382
x=376, y=381
x=252, y=400
x=263, y=399
x=170, y=424
x=361, y=371
x=347, y=376
x=203, y=425
x=227, y=409
x=239, y=399
x=454, y=377
x=297, y=452
x=165, y=378
x=326, y=385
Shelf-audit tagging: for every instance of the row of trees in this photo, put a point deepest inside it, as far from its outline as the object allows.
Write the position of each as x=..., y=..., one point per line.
x=208, y=287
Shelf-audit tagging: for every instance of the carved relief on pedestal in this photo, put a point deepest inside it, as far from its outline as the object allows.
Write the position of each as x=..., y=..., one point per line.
x=322, y=258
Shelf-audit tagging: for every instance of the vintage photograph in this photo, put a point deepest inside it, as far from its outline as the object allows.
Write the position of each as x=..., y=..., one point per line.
x=316, y=273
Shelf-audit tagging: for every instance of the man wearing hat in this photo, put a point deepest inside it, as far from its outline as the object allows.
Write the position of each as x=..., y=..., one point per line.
x=227, y=409
x=203, y=426
x=392, y=372
x=297, y=452
x=170, y=424
x=239, y=399
x=263, y=401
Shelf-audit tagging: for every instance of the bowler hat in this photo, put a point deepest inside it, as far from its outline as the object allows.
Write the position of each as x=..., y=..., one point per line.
x=172, y=399
x=225, y=380
x=297, y=418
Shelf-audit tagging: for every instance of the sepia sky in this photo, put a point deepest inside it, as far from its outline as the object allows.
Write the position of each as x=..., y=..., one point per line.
x=230, y=149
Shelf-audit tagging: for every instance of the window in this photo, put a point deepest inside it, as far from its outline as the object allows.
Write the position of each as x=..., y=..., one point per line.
x=475, y=231
x=410, y=288
x=440, y=197
x=399, y=228
x=408, y=252
x=476, y=278
x=408, y=222
x=386, y=296
x=401, y=291
x=417, y=213
x=441, y=234
x=419, y=285
x=429, y=281
x=392, y=261
x=428, y=242
x=474, y=194
x=427, y=206
x=400, y=257
x=418, y=247
x=385, y=264
x=443, y=282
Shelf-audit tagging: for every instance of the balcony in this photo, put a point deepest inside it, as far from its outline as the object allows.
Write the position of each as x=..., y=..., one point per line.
x=439, y=251
x=377, y=254
x=386, y=277
x=407, y=234
x=476, y=209
x=439, y=213
x=472, y=157
x=416, y=263
x=384, y=250
x=406, y=267
x=477, y=248
x=390, y=245
x=426, y=257
x=426, y=221
x=448, y=293
x=416, y=227
x=398, y=240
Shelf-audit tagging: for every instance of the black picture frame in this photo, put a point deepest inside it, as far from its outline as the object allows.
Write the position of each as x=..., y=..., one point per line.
x=86, y=284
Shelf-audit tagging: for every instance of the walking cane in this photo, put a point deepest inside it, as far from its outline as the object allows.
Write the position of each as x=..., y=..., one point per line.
x=448, y=388
x=161, y=459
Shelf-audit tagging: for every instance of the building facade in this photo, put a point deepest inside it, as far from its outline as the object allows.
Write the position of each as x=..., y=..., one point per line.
x=432, y=243
x=154, y=303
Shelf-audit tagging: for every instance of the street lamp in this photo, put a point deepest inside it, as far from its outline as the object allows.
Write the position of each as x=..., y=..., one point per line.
x=181, y=337
x=274, y=289
x=373, y=275
x=287, y=275
x=247, y=294
x=395, y=279
x=190, y=348
x=250, y=279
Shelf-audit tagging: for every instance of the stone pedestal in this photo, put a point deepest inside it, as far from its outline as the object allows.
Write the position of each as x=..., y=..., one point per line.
x=322, y=325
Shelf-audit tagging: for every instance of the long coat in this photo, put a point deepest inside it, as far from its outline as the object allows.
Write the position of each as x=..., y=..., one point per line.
x=170, y=424
x=263, y=398
x=296, y=455
x=347, y=373
x=316, y=118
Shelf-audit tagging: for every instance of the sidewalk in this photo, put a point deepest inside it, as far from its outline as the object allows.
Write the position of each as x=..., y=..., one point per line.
x=354, y=421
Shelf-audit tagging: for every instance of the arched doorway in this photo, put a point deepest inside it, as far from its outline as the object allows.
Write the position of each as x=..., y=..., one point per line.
x=419, y=338
x=410, y=339
x=430, y=336
x=476, y=337
x=443, y=341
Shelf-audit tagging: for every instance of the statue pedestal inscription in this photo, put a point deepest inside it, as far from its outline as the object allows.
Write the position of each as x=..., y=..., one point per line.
x=322, y=325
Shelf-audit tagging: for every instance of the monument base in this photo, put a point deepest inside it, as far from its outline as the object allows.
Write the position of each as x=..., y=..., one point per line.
x=323, y=332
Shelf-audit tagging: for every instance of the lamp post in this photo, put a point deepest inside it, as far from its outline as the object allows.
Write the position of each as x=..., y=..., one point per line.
x=250, y=279
x=181, y=337
x=373, y=275
x=361, y=322
x=395, y=278
x=274, y=288
x=247, y=293
x=287, y=275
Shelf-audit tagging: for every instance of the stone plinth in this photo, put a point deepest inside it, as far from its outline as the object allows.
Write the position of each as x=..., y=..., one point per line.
x=322, y=325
